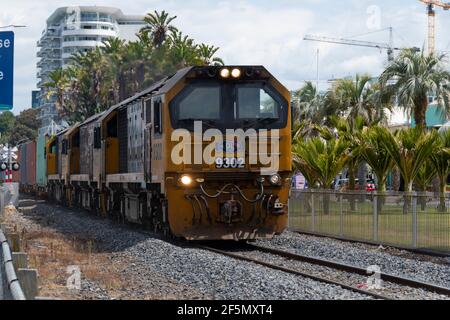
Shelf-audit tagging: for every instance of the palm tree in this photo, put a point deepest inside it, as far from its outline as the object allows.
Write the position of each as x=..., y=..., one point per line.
x=440, y=159
x=414, y=76
x=361, y=103
x=352, y=133
x=113, y=72
x=424, y=177
x=206, y=54
x=312, y=105
x=183, y=50
x=325, y=157
x=57, y=86
x=358, y=99
x=372, y=150
x=321, y=161
x=113, y=50
x=409, y=150
x=158, y=26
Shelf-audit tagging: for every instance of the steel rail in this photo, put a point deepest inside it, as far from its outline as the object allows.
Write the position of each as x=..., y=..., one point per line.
x=295, y=272
x=354, y=269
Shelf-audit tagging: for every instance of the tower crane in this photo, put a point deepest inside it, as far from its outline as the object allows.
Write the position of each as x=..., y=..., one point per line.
x=388, y=46
x=432, y=21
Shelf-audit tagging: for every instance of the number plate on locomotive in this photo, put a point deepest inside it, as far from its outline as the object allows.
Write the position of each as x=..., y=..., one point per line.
x=230, y=163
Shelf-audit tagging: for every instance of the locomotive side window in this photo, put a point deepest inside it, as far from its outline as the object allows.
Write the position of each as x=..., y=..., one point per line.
x=157, y=116
x=64, y=146
x=148, y=111
x=97, y=138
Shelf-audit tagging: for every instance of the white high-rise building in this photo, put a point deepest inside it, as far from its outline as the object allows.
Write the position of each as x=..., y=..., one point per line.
x=70, y=30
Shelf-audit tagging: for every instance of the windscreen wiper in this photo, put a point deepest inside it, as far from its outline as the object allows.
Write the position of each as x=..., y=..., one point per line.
x=258, y=121
x=209, y=122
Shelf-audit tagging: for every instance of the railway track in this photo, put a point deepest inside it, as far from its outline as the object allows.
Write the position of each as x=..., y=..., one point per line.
x=255, y=254
x=295, y=272
x=398, y=281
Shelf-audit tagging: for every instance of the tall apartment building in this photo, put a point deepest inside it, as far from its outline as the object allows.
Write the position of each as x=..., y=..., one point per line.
x=70, y=30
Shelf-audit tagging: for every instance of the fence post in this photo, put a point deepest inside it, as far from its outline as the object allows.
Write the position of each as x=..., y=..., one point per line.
x=375, y=217
x=2, y=202
x=28, y=279
x=414, y=220
x=289, y=210
x=313, y=214
x=341, y=219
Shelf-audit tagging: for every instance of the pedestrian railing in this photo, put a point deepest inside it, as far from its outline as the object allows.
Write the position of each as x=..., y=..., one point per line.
x=407, y=220
x=19, y=282
x=12, y=281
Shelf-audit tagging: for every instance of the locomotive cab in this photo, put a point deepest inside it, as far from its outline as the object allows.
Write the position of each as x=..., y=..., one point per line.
x=228, y=154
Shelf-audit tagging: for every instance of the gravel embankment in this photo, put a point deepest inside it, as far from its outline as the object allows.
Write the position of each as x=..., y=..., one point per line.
x=397, y=262
x=156, y=269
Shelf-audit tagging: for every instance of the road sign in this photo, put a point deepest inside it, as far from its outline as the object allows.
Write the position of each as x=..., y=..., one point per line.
x=6, y=69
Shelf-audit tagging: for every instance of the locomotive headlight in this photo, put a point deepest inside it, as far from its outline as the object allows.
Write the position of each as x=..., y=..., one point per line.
x=275, y=179
x=236, y=73
x=186, y=180
x=225, y=73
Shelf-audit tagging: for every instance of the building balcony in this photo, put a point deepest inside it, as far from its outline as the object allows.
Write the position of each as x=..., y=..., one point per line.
x=51, y=37
x=90, y=32
x=82, y=44
x=50, y=58
x=43, y=73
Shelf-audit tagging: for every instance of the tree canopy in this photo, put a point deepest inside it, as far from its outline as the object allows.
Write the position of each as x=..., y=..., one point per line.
x=106, y=75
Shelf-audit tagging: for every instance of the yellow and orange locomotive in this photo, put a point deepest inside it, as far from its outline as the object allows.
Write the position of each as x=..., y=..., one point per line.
x=203, y=154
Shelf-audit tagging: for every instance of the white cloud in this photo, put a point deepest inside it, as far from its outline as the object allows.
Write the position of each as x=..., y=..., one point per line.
x=250, y=32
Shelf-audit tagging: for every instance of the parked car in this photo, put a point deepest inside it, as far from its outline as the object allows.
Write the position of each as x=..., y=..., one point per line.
x=342, y=185
x=371, y=186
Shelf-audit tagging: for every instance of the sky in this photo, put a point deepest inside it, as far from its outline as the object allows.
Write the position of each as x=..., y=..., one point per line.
x=255, y=32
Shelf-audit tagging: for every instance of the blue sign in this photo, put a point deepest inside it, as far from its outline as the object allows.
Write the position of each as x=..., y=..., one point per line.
x=6, y=69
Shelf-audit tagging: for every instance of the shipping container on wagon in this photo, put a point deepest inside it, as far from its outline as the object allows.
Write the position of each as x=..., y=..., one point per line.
x=41, y=162
x=29, y=163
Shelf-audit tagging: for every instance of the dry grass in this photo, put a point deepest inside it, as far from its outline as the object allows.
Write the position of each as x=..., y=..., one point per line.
x=51, y=253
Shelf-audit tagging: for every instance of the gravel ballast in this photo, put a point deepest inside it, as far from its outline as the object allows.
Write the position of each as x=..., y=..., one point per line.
x=156, y=269
x=393, y=261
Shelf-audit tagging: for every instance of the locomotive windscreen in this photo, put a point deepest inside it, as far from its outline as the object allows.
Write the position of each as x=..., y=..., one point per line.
x=229, y=106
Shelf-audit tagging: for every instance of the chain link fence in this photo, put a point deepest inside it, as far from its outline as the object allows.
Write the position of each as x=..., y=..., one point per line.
x=409, y=220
